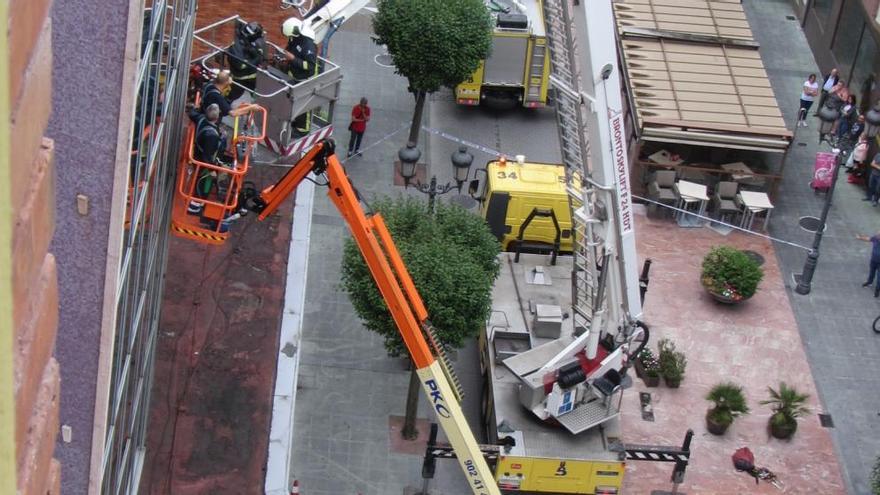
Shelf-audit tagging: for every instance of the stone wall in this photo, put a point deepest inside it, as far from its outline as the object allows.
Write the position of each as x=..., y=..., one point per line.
x=35, y=284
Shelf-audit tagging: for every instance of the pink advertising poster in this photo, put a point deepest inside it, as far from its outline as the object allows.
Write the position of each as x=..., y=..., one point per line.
x=822, y=170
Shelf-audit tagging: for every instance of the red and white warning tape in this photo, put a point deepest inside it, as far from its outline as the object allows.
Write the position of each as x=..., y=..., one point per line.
x=300, y=145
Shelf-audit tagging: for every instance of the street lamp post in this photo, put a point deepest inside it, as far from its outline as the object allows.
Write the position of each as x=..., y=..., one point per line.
x=461, y=163
x=805, y=279
x=828, y=115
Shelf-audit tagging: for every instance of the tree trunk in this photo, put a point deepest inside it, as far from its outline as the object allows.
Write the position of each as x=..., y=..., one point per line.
x=409, y=431
x=417, y=118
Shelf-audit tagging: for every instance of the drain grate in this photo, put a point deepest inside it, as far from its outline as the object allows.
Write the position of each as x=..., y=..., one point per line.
x=790, y=18
x=647, y=408
x=826, y=421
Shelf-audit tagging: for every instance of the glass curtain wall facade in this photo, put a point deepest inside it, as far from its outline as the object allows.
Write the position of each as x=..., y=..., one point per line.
x=159, y=114
x=846, y=34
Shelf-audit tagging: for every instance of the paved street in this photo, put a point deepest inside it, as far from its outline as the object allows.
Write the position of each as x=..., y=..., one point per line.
x=835, y=318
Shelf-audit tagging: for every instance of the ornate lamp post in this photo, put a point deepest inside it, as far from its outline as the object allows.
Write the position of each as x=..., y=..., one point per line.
x=461, y=163
x=828, y=115
x=805, y=279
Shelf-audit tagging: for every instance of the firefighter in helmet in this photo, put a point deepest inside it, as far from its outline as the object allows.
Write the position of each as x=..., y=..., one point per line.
x=300, y=62
x=247, y=52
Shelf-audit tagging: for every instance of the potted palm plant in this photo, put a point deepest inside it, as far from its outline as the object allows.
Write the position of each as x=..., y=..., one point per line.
x=728, y=402
x=648, y=367
x=672, y=363
x=788, y=405
x=730, y=275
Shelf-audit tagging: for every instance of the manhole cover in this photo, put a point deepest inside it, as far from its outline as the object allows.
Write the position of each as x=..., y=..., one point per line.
x=826, y=421
x=756, y=257
x=810, y=224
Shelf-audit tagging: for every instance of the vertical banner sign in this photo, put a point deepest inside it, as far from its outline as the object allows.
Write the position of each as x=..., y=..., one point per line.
x=621, y=171
x=822, y=170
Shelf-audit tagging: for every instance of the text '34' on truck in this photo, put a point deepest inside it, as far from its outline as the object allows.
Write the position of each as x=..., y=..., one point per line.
x=517, y=71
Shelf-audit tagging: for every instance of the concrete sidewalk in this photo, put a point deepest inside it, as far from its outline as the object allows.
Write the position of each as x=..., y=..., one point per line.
x=835, y=318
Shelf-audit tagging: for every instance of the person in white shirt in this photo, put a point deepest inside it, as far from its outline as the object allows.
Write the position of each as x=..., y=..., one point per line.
x=809, y=93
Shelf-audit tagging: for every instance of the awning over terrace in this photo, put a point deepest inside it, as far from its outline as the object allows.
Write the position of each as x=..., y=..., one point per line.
x=694, y=75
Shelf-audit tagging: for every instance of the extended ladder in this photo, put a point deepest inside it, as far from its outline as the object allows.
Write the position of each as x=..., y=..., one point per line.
x=571, y=116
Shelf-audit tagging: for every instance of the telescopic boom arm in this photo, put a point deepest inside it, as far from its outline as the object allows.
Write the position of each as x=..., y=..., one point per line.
x=399, y=293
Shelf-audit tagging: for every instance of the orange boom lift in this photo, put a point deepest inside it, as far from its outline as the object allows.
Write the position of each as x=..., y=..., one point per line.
x=403, y=300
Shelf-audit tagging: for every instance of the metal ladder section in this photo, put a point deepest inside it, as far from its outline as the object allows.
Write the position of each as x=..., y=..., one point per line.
x=571, y=113
x=443, y=358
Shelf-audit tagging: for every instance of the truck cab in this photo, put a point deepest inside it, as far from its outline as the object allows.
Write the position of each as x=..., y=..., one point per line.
x=529, y=198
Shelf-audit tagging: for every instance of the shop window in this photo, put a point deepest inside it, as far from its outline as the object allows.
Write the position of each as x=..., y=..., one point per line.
x=822, y=10
x=866, y=68
x=846, y=38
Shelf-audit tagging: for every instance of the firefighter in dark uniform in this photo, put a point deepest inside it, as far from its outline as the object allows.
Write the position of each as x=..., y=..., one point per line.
x=210, y=147
x=301, y=61
x=247, y=52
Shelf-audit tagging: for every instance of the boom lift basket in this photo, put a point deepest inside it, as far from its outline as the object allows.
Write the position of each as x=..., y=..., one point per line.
x=221, y=202
x=283, y=98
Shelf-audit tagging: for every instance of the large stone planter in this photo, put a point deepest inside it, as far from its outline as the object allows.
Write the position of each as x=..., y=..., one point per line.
x=784, y=430
x=724, y=299
x=650, y=380
x=715, y=427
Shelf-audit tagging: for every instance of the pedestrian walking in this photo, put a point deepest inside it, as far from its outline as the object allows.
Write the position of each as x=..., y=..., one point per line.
x=874, y=265
x=360, y=115
x=810, y=90
x=830, y=80
x=873, y=193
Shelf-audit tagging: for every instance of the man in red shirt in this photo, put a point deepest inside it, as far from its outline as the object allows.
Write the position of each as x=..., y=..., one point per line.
x=360, y=115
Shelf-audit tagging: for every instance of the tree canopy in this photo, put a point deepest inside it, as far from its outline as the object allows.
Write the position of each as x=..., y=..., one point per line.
x=434, y=43
x=452, y=259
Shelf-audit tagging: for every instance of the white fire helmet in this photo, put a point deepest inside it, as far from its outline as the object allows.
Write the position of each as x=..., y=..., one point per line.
x=291, y=27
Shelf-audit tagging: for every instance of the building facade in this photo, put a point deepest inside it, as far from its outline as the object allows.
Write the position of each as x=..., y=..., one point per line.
x=846, y=34
x=28, y=280
x=120, y=78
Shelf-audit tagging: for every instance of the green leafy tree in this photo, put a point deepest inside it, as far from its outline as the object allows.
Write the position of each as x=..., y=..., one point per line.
x=433, y=43
x=875, y=477
x=452, y=258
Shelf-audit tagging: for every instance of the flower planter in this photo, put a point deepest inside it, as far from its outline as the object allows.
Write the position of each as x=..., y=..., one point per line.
x=783, y=431
x=715, y=427
x=672, y=382
x=651, y=380
x=640, y=368
x=724, y=299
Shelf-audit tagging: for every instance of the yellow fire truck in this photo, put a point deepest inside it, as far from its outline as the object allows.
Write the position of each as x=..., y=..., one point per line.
x=525, y=204
x=518, y=68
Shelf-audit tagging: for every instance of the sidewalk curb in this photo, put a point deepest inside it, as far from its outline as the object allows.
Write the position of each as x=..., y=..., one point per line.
x=284, y=398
